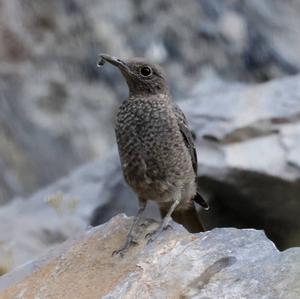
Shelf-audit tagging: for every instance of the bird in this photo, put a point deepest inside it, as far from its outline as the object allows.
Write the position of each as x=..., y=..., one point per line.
x=156, y=148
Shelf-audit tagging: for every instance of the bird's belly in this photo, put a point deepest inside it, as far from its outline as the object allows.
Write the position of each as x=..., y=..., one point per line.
x=151, y=189
x=145, y=180
x=154, y=179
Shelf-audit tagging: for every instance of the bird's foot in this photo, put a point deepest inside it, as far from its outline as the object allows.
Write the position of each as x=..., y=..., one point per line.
x=152, y=236
x=143, y=225
x=129, y=242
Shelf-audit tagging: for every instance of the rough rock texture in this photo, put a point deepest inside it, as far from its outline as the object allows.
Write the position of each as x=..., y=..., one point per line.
x=30, y=226
x=53, y=110
x=222, y=263
x=249, y=145
x=56, y=109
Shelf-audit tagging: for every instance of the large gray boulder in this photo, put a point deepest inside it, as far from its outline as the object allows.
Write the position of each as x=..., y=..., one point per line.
x=222, y=263
x=248, y=139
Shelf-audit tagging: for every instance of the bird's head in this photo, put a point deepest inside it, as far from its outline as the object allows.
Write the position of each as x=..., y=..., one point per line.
x=142, y=77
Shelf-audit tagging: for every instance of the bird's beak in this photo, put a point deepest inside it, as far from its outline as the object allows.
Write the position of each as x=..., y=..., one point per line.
x=114, y=61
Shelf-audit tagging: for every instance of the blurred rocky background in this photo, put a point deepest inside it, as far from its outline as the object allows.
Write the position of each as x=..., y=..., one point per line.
x=57, y=110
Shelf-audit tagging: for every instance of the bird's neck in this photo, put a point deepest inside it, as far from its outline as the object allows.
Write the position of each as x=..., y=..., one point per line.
x=136, y=89
x=153, y=97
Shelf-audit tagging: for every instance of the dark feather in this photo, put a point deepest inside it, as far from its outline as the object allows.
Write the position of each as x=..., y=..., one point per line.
x=187, y=136
x=189, y=142
x=201, y=201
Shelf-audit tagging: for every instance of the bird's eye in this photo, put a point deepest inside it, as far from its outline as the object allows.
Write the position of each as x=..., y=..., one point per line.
x=146, y=71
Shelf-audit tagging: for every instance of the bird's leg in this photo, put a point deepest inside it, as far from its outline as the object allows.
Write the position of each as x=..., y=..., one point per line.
x=130, y=237
x=164, y=223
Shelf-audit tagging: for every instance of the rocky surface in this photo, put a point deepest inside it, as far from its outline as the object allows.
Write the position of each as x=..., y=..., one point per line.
x=222, y=263
x=30, y=226
x=249, y=144
x=56, y=109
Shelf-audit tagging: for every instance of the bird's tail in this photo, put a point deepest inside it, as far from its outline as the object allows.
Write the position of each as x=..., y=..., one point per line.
x=201, y=201
x=188, y=218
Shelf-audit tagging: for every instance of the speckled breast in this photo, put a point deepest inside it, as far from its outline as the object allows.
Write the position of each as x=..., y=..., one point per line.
x=153, y=155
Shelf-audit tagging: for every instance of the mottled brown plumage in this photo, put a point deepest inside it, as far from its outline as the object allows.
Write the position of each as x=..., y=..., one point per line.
x=156, y=147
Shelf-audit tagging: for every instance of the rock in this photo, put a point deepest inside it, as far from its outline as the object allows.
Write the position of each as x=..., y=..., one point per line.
x=57, y=109
x=222, y=263
x=247, y=139
x=30, y=226
x=53, y=106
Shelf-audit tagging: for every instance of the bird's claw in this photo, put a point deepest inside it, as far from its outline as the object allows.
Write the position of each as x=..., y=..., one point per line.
x=152, y=236
x=143, y=225
x=150, y=240
x=147, y=236
x=121, y=252
x=168, y=226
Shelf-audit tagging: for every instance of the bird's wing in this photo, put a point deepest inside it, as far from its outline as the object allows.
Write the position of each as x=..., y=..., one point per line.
x=189, y=142
x=187, y=135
